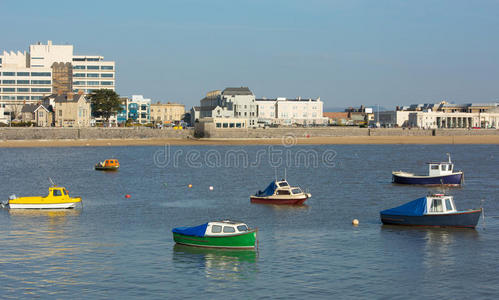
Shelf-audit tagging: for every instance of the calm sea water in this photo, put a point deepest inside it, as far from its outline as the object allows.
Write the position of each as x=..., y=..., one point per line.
x=122, y=248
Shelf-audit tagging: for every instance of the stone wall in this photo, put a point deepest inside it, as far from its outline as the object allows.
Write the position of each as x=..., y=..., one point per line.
x=90, y=133
x=209, y=132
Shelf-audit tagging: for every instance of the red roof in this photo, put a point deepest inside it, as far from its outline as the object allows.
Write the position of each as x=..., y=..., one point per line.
x=336, y=115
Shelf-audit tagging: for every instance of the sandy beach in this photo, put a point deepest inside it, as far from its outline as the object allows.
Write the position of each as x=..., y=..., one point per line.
x=486, y=139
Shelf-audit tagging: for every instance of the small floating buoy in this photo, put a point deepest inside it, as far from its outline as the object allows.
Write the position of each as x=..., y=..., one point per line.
x=211, y=188
x=190, y=185
x=128, y=196
x=355, y=222
x=164, y=184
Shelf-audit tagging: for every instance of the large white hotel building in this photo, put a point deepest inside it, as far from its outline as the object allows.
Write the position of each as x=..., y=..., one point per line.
x=27, y=77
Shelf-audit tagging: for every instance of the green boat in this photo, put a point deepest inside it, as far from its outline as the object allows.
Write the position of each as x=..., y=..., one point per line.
x=218, y=234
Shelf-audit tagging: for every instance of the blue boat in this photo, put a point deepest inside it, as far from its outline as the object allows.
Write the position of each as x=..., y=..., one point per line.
x=439, y=173
x=436, y=210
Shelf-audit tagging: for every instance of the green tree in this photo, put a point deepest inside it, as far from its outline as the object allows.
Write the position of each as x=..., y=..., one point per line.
x=105, y=103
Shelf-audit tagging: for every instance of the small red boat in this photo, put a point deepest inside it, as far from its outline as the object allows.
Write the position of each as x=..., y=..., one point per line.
x=280, y=192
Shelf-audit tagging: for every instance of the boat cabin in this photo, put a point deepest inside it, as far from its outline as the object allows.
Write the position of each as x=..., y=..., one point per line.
x=222, y=228
x=283, y=188
x=440, y=204
x=440, y=168
x=111, y=163
x=57, y=192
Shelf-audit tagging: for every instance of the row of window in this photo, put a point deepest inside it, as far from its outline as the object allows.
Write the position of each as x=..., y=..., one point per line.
x=93, y=83
x=230, y=125
x=86, y=59
x=93, y=68
x=26, y=73
x=26, y=90
x=95, y=75
x=26, y=82
x=22, y=97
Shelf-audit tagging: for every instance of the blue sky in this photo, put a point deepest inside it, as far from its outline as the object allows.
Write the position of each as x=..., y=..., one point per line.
x=347, y=52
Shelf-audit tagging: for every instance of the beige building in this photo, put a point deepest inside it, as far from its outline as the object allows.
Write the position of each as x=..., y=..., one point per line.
x=38, y=114
x=166, y=113
x=72, y=110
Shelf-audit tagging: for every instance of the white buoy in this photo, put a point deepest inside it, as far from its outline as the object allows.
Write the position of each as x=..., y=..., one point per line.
x=211, y=188
x=355, y=222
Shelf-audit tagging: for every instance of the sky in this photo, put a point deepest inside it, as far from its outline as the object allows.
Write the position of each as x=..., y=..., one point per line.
x=347, y=53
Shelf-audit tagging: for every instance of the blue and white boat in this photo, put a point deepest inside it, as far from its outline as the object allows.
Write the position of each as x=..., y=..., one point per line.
x=436, y=210
x=439, y=173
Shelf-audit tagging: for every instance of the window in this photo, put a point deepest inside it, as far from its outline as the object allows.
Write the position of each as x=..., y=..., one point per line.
x=106, y=83
x=9, y=74
x=242, y=228
x=23, y=90
x=231, y=125
x=78, y=82
x=283, y=184
x=448, y=204
x=282, y=192
x=78, y=59
x=41, y=74
x=57, y=193
x=106, y=67
x=434, y=167
x=216, y=229
x=108, y=75
x=92, y=67
x=40, y=90
x=41, y=82
x=225, y=125
x=65, y=192
x=444, y=167
x=219, y=125
x=92, y=83
x=238, y=125
x=8, y=82
x=229, y=229
x=79, y=67
x=79, y=75
x=22, y=73
x=9, y=90
x=60, y=113
x=95, y=75
x=296, y=191
x=22, y=97
x=36, y=97
x=23, y=82
x=92, y=59
x=9, y=97
x=436, y=205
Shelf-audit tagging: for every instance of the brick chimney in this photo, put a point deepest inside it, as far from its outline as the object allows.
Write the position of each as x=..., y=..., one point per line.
x=80, y=92
x=70, y=96
x=59, y=92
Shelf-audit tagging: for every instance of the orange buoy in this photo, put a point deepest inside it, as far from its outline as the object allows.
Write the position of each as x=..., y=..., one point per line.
x=190, y=185
x=128, y=196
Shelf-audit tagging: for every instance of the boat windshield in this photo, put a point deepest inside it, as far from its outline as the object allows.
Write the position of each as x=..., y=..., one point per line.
x=296, y=191
x=436, y=205
x=242, y=228
x=57, y=193
x=283, y=184
x=229, y=229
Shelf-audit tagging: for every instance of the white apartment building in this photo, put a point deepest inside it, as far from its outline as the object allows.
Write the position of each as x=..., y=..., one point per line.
x=47, y=69
x=439, y=119
x=238, y=103
x=284, y=111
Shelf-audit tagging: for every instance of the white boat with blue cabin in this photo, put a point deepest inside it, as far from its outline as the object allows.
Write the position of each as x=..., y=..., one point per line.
x=439, y=173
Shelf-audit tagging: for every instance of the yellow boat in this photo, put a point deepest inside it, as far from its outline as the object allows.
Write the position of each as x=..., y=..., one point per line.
x=58, y=197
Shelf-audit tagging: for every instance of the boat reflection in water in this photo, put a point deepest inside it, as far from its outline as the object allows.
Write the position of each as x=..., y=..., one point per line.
x=226, y=264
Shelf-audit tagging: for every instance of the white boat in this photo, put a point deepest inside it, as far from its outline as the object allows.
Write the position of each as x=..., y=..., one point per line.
x=280, y=192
